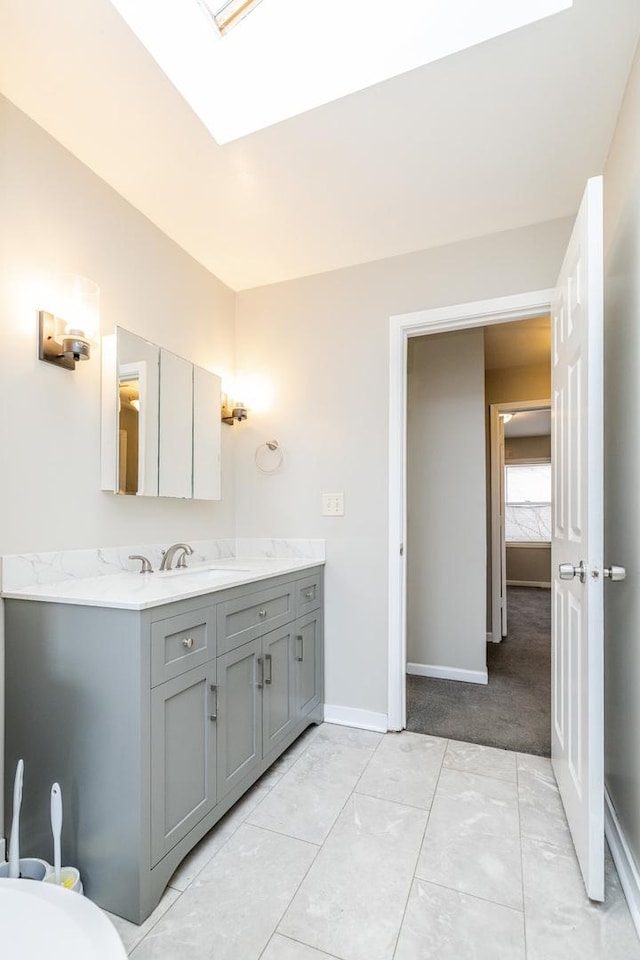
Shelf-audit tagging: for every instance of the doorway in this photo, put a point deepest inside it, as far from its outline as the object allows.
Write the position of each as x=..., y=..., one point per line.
x=457, y=482
x=403, y=327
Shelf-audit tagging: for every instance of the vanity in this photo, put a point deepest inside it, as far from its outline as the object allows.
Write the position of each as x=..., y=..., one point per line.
x=156, y=701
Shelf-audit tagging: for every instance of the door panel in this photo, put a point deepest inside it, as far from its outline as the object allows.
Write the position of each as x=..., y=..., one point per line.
x=277, y=695
x=183, y=750
x=577, y=623
x=239, y=715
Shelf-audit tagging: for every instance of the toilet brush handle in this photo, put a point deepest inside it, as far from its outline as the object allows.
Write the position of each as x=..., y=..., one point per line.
x=56, y=827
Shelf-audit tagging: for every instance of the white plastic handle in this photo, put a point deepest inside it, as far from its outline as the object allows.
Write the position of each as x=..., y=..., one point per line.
x=14, y=842
x=56, y=828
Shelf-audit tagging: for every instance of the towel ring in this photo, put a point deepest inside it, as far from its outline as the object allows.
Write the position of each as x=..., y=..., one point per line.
x=269, y=456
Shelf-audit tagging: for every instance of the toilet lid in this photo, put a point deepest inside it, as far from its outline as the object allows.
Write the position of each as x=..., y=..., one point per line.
x=41, y=920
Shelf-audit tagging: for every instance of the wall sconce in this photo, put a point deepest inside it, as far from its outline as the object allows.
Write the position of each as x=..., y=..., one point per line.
x=232, y=412
x=68, y=330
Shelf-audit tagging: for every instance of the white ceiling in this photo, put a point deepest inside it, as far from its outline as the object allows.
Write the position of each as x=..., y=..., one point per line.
x=241, y=82
x=498, y=136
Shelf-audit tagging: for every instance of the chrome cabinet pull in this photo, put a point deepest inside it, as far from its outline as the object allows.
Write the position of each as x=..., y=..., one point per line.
x=260, y=682
x=214, y=715
x=309, y=593
x=300, y=656
x=188, y=642
x=267, y=663
x=262, y=613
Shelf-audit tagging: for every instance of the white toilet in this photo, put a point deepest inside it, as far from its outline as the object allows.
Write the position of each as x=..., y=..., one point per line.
x=41, y=920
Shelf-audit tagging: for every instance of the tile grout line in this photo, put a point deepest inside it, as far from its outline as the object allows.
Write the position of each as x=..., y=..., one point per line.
x=417, y=859
x=520, y=835
x=319, y=851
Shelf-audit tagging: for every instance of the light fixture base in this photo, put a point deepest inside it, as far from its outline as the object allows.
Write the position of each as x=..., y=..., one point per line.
x=48, y=347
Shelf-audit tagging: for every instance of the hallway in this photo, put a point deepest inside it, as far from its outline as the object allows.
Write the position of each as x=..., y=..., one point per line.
x=513, y=711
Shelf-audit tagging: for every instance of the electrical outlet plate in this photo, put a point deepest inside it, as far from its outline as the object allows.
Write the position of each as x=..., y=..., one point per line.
x=333, y=504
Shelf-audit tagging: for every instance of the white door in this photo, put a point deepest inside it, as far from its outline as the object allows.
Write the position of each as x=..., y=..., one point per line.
x=577, y=726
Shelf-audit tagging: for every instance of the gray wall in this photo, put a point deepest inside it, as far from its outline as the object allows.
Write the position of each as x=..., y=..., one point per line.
x=525, y=448
x=622, y=464
x=322, y=344
x=529, y=564
x=446, y=501
x=57, y=216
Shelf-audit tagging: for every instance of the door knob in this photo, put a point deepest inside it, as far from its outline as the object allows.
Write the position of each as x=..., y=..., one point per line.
x=615, y=573
x=567, y=571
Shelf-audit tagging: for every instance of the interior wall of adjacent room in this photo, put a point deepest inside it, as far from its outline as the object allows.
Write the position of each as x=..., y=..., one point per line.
x=622, y=463
x=446, y=500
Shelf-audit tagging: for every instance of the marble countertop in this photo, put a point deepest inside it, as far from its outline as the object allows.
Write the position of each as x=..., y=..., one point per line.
x=136, y=591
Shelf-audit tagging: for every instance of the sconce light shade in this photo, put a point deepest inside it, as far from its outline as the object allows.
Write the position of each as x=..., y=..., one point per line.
x=232, y=412
x=68, y=330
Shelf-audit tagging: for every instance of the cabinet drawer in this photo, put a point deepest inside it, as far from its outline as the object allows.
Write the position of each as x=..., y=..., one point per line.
x=180, y=643
x=308, y=594
x=249, y=617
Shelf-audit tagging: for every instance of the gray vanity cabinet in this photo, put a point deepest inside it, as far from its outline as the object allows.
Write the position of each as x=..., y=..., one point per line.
x=154, y=721
x=183, y=756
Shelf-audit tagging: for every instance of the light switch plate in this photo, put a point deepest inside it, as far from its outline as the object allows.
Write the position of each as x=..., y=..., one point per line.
x=333, y=504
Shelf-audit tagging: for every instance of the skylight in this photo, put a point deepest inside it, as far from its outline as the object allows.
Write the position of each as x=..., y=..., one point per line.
x=230, y=13
x=289, y=57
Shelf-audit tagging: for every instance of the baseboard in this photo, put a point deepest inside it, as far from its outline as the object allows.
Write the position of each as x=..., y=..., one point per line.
x=447, y=673
x=351, y=717
x=544, y=584
x=623, y=859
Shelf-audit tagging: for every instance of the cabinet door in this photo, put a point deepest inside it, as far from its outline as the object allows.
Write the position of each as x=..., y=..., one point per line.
x=278, y=705
x=206, y=435
x=308, y=663
x=175, y=452
x=239, y=714
x=183, y=756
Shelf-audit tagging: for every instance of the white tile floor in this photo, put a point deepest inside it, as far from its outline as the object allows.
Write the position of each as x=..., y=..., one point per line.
x=359, y=846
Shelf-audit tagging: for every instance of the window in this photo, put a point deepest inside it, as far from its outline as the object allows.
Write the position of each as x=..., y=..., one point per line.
x=527, y=489
x=227, y=15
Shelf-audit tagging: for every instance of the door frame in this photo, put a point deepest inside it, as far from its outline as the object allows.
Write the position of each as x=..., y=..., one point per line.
x=496, y=465
x=461, y=316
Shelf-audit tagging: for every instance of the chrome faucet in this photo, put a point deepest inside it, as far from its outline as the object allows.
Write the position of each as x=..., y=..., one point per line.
x=170, y=552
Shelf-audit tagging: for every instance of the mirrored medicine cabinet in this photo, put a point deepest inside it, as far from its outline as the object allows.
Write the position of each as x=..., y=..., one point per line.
x=160, y=422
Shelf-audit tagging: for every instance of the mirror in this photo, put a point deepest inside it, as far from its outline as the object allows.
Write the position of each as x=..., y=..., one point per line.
x=138, y=384
x=160, y=422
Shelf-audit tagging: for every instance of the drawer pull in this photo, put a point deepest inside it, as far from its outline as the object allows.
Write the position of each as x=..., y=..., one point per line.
x=300, y=657
x=188, y=642
x=214, y=715
x=267, y=663
x=309, y=593
x=262, y=613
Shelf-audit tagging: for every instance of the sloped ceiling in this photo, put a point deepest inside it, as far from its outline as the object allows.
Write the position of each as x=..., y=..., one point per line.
x=498, y=136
